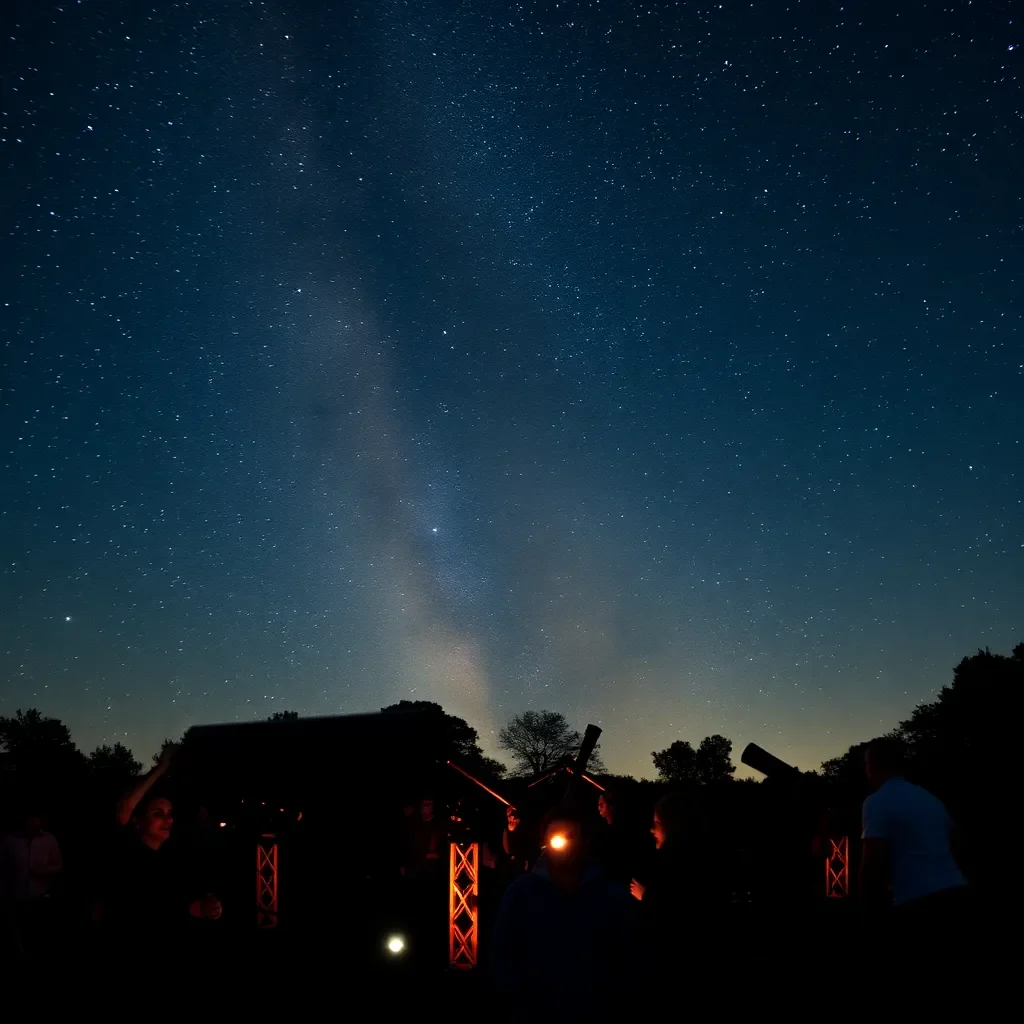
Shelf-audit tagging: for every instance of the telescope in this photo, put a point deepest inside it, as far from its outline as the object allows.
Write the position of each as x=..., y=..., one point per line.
x=830, y=837
x=767, y=764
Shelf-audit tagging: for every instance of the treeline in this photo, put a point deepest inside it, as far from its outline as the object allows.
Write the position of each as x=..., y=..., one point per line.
x=39, y=757
x=961, y=741
x=962, y=745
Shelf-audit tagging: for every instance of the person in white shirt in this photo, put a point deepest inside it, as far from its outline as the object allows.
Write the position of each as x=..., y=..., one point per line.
x=907, y=843
x=29, y=861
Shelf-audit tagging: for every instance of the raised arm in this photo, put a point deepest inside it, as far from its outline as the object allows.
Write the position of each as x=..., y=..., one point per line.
x=127, y=804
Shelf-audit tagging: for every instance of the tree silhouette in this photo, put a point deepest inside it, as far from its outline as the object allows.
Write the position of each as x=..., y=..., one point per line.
x=284, y=716
x=461, y=742
x=713, y=760
x=539, y=740
x=961, y=744
x=112, y=768
x=163, y=746
x=847, y=769
x=676, y=764
x=33, y=746
x=967, y=731
x=681, y=765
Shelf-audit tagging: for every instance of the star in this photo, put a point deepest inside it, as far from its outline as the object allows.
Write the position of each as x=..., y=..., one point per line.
x=696, y=381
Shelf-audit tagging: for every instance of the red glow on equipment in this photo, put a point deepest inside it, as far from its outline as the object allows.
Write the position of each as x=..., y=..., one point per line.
x=486, y=789
x=837, y=869
x=593, y=782
x=266, y=882
x=463, y=912
x=568, y=769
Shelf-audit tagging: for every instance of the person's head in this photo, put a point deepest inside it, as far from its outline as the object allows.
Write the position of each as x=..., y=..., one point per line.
x=512, y=818
x=566, y=844
x=427, y=808
x=883, y=758
x=660, y=826
x=677, y=817
x=606, y=806
x=29, y=812
x=32, y=821
x=154, y=820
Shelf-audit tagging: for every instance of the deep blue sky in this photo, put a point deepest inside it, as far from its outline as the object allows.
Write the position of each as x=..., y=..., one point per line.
x=656, y=363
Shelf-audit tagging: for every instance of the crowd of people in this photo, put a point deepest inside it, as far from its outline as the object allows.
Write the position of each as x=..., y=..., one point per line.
x=596, y=911
x=596, y=917
x=137, y=902
x=585, y=911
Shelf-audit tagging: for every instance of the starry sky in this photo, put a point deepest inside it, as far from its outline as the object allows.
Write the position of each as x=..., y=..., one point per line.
x=658, y=363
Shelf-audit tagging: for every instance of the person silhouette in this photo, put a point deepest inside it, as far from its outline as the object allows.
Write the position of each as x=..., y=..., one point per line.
x=515, y=844
x=30, y=861
x=682, y=900
x=425, y=871
x=918, y=908
x=145, y=902
x=907, y=848
x=564, y=938
x=614, y=846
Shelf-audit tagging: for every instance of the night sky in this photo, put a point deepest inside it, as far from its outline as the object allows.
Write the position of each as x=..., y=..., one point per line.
x=656, y=363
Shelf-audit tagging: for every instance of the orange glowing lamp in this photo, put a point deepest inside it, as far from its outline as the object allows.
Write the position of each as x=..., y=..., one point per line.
x=558, y=842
